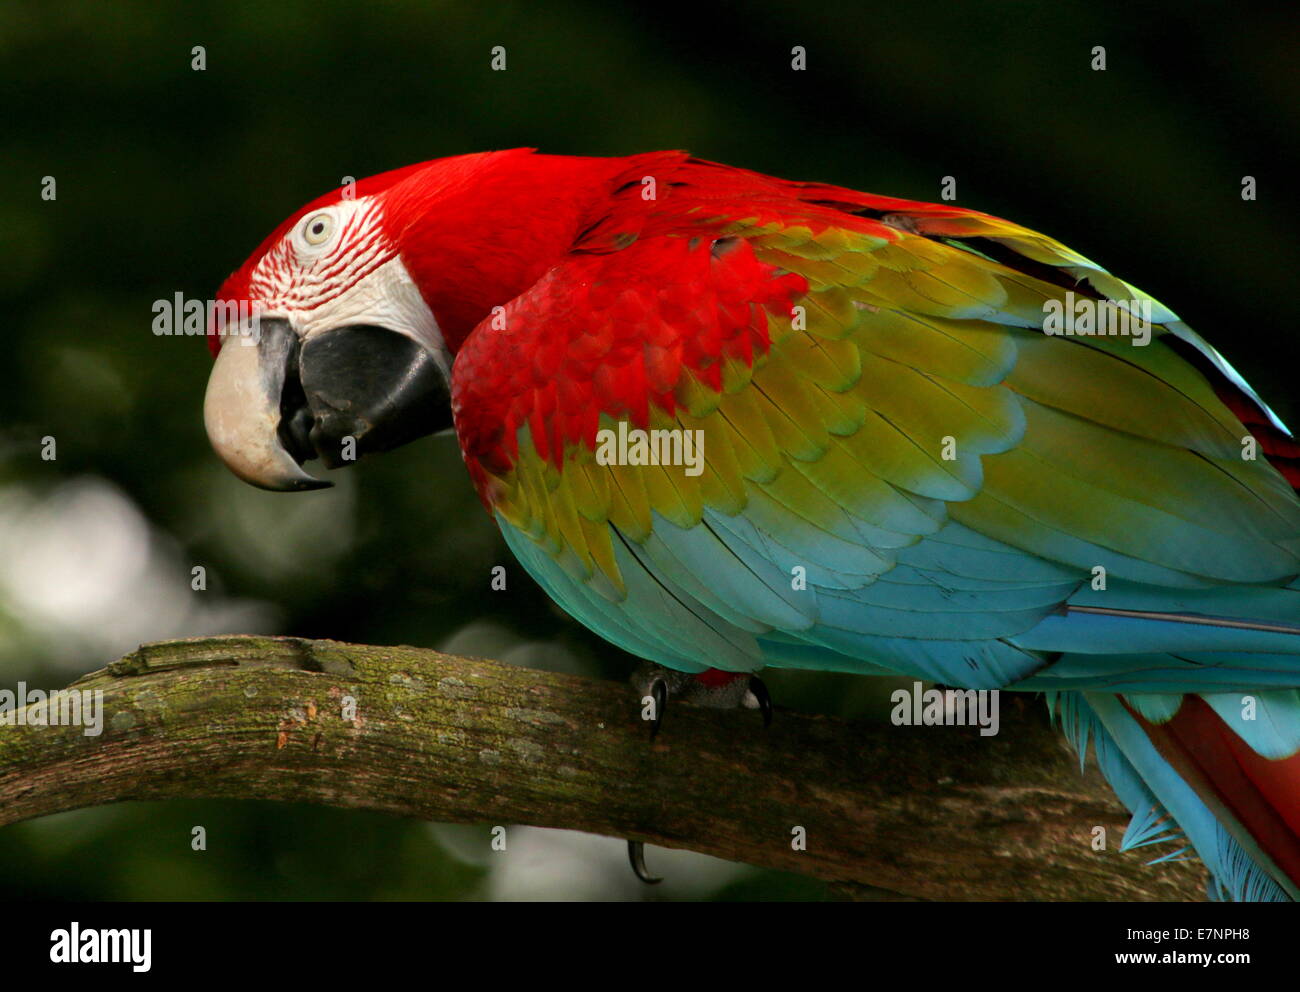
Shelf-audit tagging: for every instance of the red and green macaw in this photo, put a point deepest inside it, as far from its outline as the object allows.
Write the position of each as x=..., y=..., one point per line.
x=901, y=469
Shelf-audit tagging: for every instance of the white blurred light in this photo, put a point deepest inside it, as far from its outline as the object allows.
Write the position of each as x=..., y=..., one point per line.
x=87, y=579
x=541, y=864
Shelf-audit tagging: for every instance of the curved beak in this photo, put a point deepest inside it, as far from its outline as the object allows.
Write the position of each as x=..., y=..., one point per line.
x=274, y=402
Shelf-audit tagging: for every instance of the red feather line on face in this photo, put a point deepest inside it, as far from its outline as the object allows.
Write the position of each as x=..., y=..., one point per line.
x=281, y=279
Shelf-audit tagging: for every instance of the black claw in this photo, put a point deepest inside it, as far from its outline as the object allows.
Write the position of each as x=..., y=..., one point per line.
x=636, y=855
x=764, y=698
x=659, y=691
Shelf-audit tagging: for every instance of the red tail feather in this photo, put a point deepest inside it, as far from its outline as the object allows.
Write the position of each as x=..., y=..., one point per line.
x=1262, y=795
x=1282, y=452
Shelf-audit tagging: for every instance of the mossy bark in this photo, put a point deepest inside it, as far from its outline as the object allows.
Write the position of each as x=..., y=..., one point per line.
x=922, y=813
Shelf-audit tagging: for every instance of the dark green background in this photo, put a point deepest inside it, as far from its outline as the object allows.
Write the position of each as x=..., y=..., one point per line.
x=168, y=177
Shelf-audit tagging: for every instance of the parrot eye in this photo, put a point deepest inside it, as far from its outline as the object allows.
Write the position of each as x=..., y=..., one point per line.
x=317, y=229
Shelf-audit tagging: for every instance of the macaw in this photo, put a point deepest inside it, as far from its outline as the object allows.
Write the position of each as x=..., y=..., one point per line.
x=901, y=466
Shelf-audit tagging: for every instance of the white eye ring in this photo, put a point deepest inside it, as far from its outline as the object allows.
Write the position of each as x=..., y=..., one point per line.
x=316, y=230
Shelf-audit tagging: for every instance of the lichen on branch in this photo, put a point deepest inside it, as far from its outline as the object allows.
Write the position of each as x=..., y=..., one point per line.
x=921, y=812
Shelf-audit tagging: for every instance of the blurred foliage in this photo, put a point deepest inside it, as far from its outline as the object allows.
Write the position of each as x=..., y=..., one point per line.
x=167, y=177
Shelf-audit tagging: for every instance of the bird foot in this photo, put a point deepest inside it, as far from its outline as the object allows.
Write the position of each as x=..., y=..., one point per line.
x=636, y=855
x=712, y=687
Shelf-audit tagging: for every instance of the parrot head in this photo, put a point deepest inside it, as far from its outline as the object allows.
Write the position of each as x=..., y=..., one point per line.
x=336, y=354
x=335, y=339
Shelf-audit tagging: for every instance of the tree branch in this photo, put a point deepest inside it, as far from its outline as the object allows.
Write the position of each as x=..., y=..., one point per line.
x=925, y=813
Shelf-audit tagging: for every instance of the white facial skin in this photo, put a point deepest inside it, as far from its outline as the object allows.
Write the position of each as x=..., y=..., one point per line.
x=337, y=267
